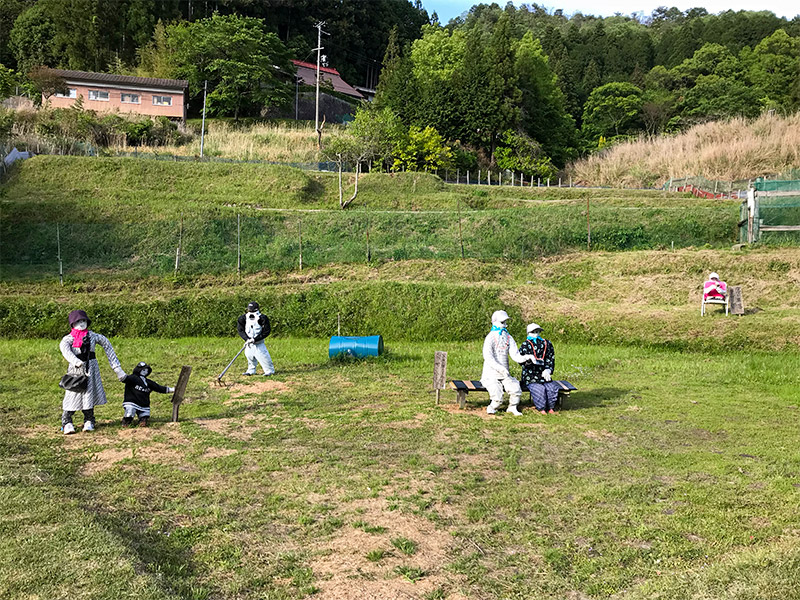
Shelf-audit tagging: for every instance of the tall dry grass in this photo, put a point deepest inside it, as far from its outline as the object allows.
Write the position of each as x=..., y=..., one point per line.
x=270, y=142
x=725, y=150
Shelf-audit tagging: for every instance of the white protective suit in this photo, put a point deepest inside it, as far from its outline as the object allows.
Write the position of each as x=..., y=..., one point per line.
x=256, y=352
x=496, y=377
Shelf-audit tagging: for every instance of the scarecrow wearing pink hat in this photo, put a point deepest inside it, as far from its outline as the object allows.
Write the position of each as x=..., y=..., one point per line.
x=715, y=288
x=78, y=348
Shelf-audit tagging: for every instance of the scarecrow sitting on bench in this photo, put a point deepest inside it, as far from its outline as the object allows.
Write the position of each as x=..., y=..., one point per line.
x=537, y=375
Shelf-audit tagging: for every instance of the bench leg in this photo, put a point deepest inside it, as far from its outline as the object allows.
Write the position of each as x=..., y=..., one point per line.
x=462, y=399
x=562, y=395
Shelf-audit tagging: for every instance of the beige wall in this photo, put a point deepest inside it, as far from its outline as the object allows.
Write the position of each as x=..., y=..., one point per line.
x=115, y=104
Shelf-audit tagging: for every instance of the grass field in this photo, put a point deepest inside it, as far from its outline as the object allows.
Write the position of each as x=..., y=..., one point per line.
x=668, y=475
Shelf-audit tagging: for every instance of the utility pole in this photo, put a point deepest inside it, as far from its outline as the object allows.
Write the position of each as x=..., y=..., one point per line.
x=319, y=26
x=203, y=126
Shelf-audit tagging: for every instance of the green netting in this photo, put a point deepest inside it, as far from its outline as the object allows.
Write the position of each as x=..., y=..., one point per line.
x=782, y=209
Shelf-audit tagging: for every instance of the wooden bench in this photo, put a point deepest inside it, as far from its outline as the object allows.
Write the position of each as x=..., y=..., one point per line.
x=464, y=387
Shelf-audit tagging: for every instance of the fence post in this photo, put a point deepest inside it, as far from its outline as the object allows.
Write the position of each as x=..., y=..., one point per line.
x=458, y=176
x=488, y=177
x=479, y=176
x=460, y=238
x=238, y=245
x=588, y=226
x=369, y=250
x=548, y=182
x=178, y=249
x=60, y=262
x=538, y=182
x=500, y=178
x=300, y=237
x=467, y=176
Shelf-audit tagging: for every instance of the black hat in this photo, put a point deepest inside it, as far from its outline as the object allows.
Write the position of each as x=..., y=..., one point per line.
x=78, y=315
x=252, y=307
x=142, y=366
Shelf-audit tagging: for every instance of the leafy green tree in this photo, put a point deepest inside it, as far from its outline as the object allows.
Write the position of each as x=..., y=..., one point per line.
x=9, y=11
x=543, y=115
x=377, y=132
x=714, y=97
x=423, y=150
x=612, y=109
x=522, y=154
x=238, y=58
x=776, y=69
x=32, y=39
x=488, y=85
x=8, y=82
x=397, y=87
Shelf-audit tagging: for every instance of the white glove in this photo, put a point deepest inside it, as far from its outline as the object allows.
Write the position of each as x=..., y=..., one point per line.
x=250, y=342
x=530, y=358
x=547, y=375
x=170, y=390
x=78, y=363
x=121, y=375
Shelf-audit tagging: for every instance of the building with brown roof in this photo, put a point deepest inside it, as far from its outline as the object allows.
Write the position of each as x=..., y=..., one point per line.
x=105, y=92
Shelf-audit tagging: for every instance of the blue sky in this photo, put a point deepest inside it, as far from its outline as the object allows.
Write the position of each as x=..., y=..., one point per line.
x=447, y=9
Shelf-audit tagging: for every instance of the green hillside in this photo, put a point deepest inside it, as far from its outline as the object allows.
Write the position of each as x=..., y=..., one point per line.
x=129, y=215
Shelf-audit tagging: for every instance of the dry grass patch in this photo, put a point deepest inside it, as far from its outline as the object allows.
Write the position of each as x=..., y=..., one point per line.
x=239, y=428
x=343, y=571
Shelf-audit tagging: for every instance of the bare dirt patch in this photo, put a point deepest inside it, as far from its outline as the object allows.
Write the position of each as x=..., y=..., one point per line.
x=343, y=571
x=239, y=428
x=153, y=453
x=244, y=390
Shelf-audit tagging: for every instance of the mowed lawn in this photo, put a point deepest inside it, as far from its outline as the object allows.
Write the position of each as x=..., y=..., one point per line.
x=667, y=475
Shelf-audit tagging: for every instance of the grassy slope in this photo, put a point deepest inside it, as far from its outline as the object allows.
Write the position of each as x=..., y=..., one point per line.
x=125, y=215
x=646, y=298
x=664, y=478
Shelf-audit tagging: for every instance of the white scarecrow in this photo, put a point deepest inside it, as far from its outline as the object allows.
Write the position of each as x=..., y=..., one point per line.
x=253, y=327
x=496, y=378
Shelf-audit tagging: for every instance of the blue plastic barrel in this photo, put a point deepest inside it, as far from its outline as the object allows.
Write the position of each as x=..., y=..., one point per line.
x=371, y=345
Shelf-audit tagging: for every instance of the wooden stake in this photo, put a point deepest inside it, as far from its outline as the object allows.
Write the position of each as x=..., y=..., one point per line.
x=60, y=262
x=180, y=391
x=178, y=249
x=588, y=227
x=460, y=238
x=238, y=245
x=300, y=237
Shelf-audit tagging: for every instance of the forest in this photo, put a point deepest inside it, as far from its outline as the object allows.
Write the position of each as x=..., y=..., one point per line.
x=523, y=88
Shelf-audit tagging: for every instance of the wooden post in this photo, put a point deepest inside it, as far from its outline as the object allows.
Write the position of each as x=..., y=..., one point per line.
x=500, y=178
x=588, y=226
x=60, y=262
x=369, y=250
x=178, y=249
x=439, y=372
x=300, y=237
x=180, y=391
x=467, y=176
x=238, y=245
x=737, y=301
x=460, y=237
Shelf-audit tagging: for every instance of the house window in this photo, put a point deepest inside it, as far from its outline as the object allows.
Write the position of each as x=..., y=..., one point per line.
x=130, y=98
x=98, y=95
x=71, y=93
x=162, y=100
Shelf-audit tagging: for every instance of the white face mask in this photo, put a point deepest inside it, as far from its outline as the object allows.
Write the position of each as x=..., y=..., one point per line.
x=81, y=325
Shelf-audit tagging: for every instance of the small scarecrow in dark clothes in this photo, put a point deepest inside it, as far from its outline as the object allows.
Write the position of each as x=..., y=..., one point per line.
x=137, y=394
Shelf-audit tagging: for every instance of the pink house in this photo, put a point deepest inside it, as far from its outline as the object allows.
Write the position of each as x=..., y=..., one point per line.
x=104, y=92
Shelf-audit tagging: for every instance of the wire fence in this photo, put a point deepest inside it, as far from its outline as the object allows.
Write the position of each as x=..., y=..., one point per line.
x=285, y=240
